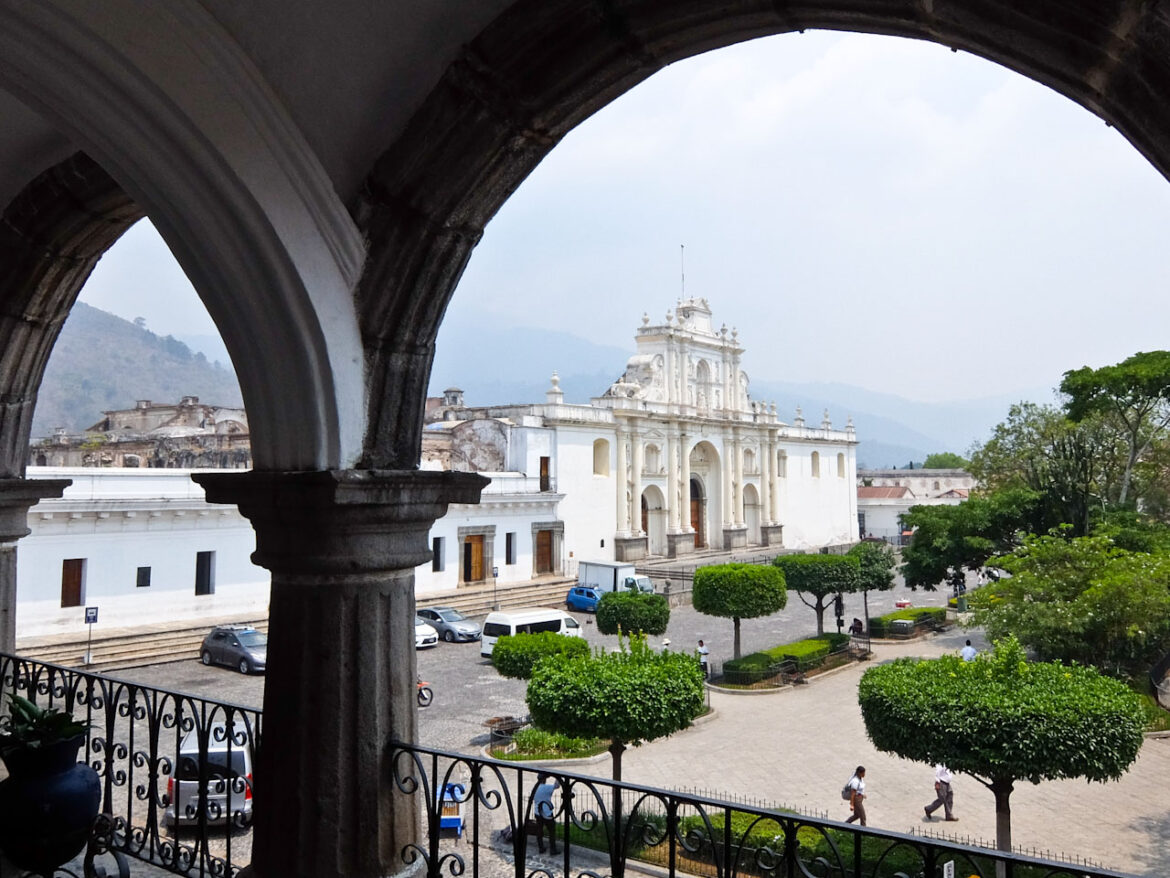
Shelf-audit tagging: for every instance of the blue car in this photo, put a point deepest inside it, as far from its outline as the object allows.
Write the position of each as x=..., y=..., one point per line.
x=583, y=598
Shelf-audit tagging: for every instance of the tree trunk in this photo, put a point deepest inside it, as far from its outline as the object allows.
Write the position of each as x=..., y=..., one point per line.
x=1002, y=788
x=865, y=599
x=616, y=749
x=820, y=611
x=736, y=638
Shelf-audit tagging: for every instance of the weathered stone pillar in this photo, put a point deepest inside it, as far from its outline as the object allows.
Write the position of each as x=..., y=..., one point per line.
x=672, y=486
x=737, y=488
x=636, y=481
x=684, y=477
x=17, y=496
x=340, y=685
x=765, y=459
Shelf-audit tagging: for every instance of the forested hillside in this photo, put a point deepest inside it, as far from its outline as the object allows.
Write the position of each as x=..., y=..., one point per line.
x=102, y=362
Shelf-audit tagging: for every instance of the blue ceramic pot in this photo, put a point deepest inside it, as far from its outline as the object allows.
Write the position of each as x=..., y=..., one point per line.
x=47, y=805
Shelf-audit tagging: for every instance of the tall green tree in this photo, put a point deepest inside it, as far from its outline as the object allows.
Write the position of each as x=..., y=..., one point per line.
x=876, y=562
x=739, y=591
x=630, y=696
x=1136, y=392
x=949, y=540
x=816, y=578
x=1001, y=720
x=1082, y=600
x=945, y=460
x=633, y=613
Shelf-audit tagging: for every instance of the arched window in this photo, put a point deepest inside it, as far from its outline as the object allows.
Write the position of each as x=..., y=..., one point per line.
x=601, y=457
x=840, y=465
x=936, y=486
x=749, y=461
x=816, y=465
x=781, y=464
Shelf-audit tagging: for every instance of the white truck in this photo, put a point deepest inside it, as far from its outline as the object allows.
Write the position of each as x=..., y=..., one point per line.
x=612, y=576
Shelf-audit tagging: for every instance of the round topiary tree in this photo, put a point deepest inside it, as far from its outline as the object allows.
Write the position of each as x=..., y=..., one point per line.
x=739, y=591
x=515, y=655
x=630, y=696
x=633, y=613
x=875, y=565
x=1000, y=719
x=819, y=577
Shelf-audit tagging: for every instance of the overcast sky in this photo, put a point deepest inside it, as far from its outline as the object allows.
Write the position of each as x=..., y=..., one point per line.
x=875, y=211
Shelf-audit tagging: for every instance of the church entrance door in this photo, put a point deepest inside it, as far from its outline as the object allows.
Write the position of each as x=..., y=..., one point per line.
x=473, y=558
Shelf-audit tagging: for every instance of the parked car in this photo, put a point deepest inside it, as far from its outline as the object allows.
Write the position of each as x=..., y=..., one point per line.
x=229, y=779
x=450, y=623
x=236, y=646
x=424, y=634
x=582, y=597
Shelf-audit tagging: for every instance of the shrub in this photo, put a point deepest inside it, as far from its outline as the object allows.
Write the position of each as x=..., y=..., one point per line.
x=516, y=655
x=633, y=613
x=539, y=744
x=880, y=625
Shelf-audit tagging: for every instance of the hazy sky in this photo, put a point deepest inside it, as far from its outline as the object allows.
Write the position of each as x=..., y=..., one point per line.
x=875, y=211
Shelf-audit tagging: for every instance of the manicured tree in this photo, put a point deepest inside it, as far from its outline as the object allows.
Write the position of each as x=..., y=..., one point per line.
x=875, y=566
x=819, y=577
x=633, y=613
x=515, y=655
x=630, y=696
x=1000, y=719
x=739, y=591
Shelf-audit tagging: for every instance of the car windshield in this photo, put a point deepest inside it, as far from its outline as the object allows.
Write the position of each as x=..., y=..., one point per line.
x=451, y=616
x=419, y=622
x=253, y=639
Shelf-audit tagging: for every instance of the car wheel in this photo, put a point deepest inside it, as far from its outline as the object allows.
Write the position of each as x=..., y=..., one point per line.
x=245, y=666
x=449, y=636
x=205, y=657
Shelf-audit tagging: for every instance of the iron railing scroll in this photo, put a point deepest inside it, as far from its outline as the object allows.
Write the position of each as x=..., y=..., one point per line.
x=176, y=769
x=614, y=829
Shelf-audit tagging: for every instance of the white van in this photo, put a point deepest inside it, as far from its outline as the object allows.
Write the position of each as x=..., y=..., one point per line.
x=531, y=620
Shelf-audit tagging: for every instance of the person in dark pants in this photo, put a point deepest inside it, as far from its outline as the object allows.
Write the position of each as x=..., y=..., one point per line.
x=704, y=654
x=944, y=796
x=857, y=801
x=542, y=805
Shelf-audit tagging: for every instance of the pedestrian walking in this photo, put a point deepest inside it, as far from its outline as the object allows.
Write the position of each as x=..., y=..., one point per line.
x=944, y=796
x=542, y=805
x=968, y=652
x=856, y=787
x=703, y=654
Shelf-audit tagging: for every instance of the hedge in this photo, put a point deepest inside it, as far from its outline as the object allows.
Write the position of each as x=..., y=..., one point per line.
x=516, y=655
x=633, y=613
x=804, y=654
x=880, y=625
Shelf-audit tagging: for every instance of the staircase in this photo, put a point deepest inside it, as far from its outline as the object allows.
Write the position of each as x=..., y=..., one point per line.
x=170, y=642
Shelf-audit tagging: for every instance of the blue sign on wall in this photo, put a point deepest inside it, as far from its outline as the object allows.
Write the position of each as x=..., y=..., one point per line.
x=90, y=615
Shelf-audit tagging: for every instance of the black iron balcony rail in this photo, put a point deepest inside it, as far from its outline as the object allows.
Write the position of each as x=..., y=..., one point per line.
x=481, y=815
x=176, y=769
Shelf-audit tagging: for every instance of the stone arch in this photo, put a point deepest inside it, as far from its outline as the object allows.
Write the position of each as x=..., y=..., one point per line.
x=533, y=74
x=654, y=519
x=752, y=514
x=235, y=191
x=706, y=494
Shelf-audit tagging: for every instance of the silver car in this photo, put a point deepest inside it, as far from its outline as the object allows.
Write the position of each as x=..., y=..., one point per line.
x=451, y=624
x=228, y=799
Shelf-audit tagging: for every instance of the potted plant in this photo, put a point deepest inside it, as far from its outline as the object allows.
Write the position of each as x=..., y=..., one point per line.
x=49, y=800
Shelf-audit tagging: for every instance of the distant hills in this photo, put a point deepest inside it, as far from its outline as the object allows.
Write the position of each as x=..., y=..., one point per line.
x=102, y=362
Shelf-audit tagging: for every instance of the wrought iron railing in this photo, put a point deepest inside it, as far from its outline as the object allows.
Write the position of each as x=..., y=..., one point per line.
x=479, y=818
x=176, y=769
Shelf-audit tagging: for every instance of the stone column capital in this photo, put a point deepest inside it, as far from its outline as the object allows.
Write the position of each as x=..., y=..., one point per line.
x=341, y=521
x=17, y=496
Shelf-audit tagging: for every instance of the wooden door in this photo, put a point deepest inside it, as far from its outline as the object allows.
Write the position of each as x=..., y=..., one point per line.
x=697, y=521
x=71, y=570
x=473, y=558
x=645, y=517
x=545, y=481
x=544, y=551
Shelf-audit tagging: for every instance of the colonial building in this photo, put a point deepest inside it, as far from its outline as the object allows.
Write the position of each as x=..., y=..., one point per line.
x=675, y=457
x=885, y=495
x=188, y=435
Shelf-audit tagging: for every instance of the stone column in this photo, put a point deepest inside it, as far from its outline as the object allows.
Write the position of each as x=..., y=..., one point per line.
x=623, y=505
x=340, y=682
x=636, y=481
x=765, y=484
x=728, y=475
x=17, y=496
x=775, y=452
x=685, y=480
x=737, y=494
x=672, y=486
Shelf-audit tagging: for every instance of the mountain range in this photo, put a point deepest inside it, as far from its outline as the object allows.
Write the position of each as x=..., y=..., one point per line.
x=102, y=362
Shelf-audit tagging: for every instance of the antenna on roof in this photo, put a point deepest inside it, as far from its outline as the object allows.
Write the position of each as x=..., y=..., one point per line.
x=682, y=267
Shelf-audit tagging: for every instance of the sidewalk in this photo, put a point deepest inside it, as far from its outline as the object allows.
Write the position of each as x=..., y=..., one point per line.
x=799, y=746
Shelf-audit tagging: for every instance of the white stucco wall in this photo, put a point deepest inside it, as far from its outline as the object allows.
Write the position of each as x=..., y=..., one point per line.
x=589, y=509
x=120, y=520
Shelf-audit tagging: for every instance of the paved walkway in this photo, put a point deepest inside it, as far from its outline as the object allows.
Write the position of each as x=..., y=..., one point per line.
x=799, y=746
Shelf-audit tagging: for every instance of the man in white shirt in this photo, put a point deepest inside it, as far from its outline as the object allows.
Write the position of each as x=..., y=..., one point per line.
x=943, y=795
x=703, y=653
x=968, y=652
